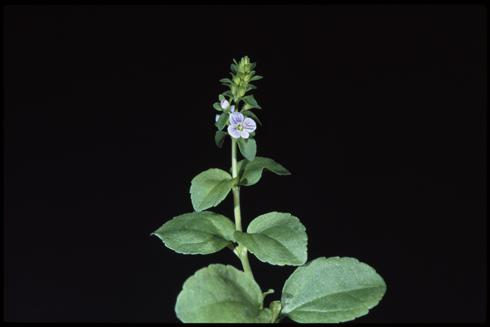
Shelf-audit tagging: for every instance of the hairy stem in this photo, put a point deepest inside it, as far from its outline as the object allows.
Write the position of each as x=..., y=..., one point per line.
x=241, y=251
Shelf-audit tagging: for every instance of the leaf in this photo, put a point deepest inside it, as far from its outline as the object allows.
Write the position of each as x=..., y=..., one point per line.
x=250, y=114
x=250, y=100
x=246, y=108
x=221, y=294
x=222, y=120
x=217, y=106
x=197, y=233
x=277, y=238
x=234, y=68
x=209, y=188
x=226, y=81
x=256, y=78
x=251, y=87
x=248, y=148
x=251, y=172
x=219, y=138
x=331, y=290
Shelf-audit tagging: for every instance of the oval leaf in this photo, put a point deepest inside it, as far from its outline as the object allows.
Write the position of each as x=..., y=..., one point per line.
x=222, y=121
x=219, y=138
x=248, y=148
x=277, y=238
x=251, y=102
x=251, y=172
x=221, y=294
x=197, y=233
x=217, y=106
x=209, y=188
x=331, y=290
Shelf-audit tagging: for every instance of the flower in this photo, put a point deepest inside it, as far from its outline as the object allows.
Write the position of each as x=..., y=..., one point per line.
x=224, y=104
x=241, y=126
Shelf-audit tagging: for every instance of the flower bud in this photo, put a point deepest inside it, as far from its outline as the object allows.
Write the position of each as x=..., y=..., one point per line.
x=244, y=61
x=244, y=65
x=224, y=104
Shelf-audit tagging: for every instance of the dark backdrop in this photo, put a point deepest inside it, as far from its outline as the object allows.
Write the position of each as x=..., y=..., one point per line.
x=378, y=111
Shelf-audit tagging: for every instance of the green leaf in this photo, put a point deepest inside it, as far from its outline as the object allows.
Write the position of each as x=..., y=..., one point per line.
x=197, y=233
x=222, y=120
x=251, y=172
x=234, y=68
x=277, y=238
x=251, y=102
x=221, y=294
x=256, y=78
x=248, y=148
x=275, y=307
x=331, y=290
x=246, y=108
x=250, y=114
x=219, y=138
x=251, y=87
x=226, y=81
x=217, y=106
x=209, y=188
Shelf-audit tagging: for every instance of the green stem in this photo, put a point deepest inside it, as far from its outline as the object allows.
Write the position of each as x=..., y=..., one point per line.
x=236, y=190
x=241, y=251
x=245, y=263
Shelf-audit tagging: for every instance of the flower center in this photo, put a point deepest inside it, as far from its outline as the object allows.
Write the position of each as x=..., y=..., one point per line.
x=239, y=127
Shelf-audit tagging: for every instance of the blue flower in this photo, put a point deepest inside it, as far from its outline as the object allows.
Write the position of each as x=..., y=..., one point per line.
x=225, y=104
x=241, y=126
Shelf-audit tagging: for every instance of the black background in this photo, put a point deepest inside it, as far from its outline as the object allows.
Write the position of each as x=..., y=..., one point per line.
x=378, y=111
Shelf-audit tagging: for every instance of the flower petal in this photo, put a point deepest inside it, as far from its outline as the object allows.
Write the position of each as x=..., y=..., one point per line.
x=216, y=118
x=236, y=118
x=224, y=104
x=232, y=108
x=244, y=134
x=233, y=132
x=249, y=125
